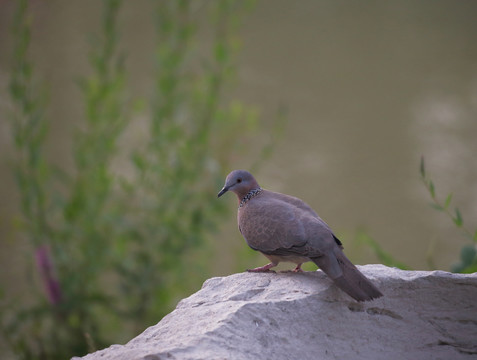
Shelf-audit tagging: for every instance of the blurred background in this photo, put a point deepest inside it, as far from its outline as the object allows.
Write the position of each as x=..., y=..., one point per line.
x=120, y=121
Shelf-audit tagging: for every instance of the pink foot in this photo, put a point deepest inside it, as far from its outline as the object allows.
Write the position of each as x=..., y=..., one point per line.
x=298, y=269
x=265, y=268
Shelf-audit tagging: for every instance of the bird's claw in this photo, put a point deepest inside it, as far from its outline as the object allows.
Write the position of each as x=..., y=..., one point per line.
x=265, y=268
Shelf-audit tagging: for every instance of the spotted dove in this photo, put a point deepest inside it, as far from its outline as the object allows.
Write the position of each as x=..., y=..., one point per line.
x=285, y=229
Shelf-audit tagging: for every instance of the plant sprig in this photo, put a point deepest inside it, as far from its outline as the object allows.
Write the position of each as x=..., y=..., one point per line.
x=468, y=256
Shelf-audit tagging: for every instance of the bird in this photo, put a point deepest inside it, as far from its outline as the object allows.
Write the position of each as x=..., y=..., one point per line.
x=286, y=229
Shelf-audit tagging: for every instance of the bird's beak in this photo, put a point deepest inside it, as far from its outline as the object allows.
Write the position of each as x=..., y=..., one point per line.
x=223, y=191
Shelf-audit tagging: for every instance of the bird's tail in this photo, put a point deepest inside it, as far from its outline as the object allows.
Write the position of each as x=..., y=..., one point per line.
x=349, y=279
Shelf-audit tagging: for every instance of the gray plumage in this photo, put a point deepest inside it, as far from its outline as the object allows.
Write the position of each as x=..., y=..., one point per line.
x=285, y=229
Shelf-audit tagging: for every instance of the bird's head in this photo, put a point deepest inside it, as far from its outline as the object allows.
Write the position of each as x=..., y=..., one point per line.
x=240, y=182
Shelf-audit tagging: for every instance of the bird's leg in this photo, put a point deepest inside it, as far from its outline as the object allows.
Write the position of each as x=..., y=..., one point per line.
x=265, y=268
x=298, y=269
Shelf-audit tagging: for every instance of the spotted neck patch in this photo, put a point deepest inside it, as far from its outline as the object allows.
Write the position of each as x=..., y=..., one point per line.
x=251, y=194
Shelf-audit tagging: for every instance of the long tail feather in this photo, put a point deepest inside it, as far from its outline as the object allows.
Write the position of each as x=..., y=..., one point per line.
x=347, y=277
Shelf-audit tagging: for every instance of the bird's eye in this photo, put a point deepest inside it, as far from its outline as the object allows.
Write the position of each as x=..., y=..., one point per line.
x=239, y=180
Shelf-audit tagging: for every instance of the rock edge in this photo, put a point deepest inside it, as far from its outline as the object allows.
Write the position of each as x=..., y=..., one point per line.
x=423, y=315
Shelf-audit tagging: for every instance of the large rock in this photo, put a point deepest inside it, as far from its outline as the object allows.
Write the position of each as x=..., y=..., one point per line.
x=423, y=315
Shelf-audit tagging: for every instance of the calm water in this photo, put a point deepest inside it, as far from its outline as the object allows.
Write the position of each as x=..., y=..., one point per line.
x=370, y=86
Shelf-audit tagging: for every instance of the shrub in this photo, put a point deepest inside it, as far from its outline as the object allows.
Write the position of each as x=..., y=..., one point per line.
x=115, y=251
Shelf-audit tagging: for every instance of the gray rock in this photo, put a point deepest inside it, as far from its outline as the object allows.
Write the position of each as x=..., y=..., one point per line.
x=423, y=315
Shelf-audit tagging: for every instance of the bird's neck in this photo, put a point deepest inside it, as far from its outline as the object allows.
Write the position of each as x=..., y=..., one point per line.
x=251, y=194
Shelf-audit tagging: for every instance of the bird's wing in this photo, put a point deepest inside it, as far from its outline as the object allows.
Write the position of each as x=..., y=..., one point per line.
x=293, y=201
x=277, y=227
x=300, y=204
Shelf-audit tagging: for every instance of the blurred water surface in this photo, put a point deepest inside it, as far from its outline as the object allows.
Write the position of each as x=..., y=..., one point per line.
x=369, y=86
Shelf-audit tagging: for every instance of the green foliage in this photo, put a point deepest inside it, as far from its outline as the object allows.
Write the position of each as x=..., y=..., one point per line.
x=28, y=130
x=114, y=252
x=362, y=237
x=468, y=256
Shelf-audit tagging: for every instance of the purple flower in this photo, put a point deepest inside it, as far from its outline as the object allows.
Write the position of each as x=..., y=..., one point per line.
x=45, y=266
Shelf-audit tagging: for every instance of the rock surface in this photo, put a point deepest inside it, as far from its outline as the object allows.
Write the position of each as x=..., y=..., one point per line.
x=423, y=315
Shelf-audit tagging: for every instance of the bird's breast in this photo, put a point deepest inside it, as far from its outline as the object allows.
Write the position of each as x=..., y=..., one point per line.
x=268, y=225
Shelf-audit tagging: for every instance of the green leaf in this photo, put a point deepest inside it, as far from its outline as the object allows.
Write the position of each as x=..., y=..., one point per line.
x=437, y=206
x=432, y=189
x=422, y=167
x=138, y=161
x=475, y=236
x=467, y=254
x=457, y=267
x=220, y=52
x=458, y=218
x=448, y=201
x=472, y=268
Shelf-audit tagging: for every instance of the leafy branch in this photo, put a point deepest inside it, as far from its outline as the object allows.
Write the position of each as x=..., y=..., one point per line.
x=468, y=256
